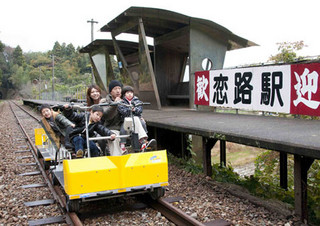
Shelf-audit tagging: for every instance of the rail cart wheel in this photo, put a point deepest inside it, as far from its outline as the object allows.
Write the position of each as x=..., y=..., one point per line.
x=157, y=193
x=46, y=164
x=73, y=205
x=55, y=180
x=39, y=154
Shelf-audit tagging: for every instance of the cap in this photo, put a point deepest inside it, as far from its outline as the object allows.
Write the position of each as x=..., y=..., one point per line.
x=43, y=106
x=126, y=89
x=113, y=84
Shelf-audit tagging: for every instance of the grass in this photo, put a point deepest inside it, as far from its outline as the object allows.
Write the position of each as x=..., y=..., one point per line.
x=237, y=154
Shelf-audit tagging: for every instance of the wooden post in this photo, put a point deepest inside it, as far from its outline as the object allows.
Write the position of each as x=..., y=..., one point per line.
x=125, y=70
x=142, y=37
x=284, y=170
x=208, y=144
x=119, y=54
x=223, y=157
x=301, y=167
x=183, y=144
x=109, y=68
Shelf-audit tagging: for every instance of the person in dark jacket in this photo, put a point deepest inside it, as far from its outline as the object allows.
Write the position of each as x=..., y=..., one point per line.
x=136, y=109
x=113, y=119
x=78, y=134
x=55, y=125
x=111, y=116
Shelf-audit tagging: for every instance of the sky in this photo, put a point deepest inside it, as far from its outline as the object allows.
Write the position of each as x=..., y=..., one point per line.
x=35, y=25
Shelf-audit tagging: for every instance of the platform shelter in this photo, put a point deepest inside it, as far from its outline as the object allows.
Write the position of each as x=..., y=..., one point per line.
x=164, y=74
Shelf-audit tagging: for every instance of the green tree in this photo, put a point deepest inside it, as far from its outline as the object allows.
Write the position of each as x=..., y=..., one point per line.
x=1, y=47
x=83, y=62
x=71, y=69
x=38, y=59
x=287, y=52
x=70, y=51
x=1, y=77
x=3, y=61
x=18, y=57
x=57, y=50
x=5, y=65
x=19, y=77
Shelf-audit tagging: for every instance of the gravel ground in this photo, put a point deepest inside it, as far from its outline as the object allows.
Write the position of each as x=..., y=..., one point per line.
x=203, y=198
x=12, y=196
x=208, y=200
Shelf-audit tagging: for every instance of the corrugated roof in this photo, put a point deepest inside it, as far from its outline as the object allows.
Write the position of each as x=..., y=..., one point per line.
x=158, y=22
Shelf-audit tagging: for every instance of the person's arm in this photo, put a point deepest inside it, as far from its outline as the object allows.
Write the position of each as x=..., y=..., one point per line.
x=138, y=110
x=72, y=115
x=64, y=121
x=109, y=112
x=104, y=131
x=124, y=111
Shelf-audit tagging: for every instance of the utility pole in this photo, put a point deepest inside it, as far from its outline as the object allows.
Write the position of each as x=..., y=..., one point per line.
x=92, y=22
x=39, y=82
x=52, y=77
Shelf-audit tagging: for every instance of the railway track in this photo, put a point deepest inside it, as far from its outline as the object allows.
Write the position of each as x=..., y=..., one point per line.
x=69, y=218
x=162, y=205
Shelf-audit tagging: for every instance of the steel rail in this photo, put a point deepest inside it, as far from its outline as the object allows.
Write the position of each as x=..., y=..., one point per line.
x=71, y=218
x=174, y=214
x=179, y=217
x=25, y=111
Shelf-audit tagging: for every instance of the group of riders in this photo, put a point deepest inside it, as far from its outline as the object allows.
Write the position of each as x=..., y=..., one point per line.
x=103, y=117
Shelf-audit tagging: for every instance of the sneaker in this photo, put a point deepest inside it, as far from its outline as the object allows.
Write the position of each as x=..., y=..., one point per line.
x=143, y=147
x=79, y=153
x=152, y=145
x=68, y=145
x=123, y=148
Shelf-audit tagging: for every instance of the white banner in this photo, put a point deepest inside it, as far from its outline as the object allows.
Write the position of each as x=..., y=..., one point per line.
x=260, y=88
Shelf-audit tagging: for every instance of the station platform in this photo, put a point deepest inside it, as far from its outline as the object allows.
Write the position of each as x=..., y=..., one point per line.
x=290, y=135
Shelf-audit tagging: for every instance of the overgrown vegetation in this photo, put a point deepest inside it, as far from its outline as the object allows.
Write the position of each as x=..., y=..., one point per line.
x=267, y=171
x=265, y=182
x=287, y=52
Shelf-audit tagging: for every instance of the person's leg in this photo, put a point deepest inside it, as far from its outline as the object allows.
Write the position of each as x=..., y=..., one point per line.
x=94, y=150
x=102, y=144
x=142, y=135
x=104, y=147
x=123, y=132
x=114, y=146
x=144, y=125
x=67, y=142
x=139, y=128
x=78, y=143
x=123, y=141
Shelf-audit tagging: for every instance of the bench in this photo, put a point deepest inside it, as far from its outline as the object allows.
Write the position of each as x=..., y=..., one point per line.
x=177, y=97
x=179, y=94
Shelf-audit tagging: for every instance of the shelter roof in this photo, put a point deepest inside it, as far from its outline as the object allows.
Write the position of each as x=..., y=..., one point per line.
x=158, y=22
x=126, y=47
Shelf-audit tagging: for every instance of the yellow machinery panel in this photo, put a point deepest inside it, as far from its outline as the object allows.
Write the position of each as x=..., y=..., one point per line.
x=90, y=175
x=114, y=172
x=39, y=135
x=146, y=168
